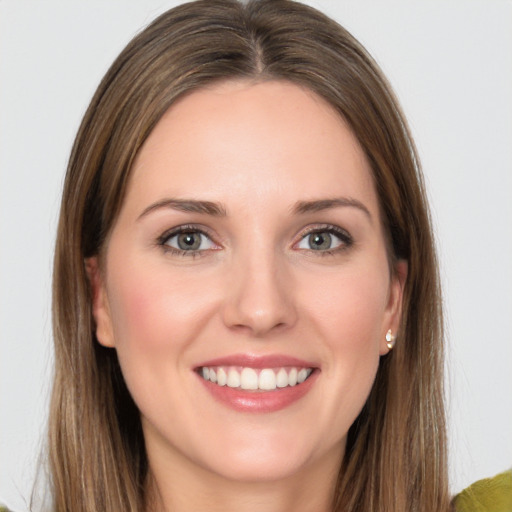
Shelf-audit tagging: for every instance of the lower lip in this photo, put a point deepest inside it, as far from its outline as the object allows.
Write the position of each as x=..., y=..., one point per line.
x=259, y=401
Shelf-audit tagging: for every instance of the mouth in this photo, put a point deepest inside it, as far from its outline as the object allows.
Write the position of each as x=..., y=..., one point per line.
x=255, y=379
x=257, y=384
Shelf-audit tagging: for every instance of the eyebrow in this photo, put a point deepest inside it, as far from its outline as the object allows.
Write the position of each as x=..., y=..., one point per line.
x=187, y=205
x=218, y=210
x=303, y=207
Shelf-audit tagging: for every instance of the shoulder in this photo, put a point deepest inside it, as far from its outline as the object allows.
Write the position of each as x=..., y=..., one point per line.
x=488, y=495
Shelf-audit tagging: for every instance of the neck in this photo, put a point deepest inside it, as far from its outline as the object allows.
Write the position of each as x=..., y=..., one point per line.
x=195, y=488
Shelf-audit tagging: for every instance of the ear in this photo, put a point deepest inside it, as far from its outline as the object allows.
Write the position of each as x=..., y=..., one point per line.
x=100, y=306
x=394, y=307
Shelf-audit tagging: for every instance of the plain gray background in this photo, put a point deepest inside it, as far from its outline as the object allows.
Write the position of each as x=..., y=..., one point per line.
x=451, y=65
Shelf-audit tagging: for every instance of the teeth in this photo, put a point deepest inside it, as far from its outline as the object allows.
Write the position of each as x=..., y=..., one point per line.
x=222, y=378
x=282, y=378
x=267, y=379
x=233, y=379
x=302, y=376
x=248, y=379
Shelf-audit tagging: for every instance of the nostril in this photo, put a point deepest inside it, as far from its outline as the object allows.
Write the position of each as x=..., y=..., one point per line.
x=256, y=300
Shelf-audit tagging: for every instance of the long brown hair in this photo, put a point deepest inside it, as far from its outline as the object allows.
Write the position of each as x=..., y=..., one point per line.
x=395, y=458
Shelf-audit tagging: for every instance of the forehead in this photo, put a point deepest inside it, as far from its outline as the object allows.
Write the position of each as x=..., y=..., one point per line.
x=245, y=138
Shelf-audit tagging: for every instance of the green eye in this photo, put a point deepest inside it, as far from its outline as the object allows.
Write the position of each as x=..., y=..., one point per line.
x=320, y=241
x=323, y=240
x=189, y=241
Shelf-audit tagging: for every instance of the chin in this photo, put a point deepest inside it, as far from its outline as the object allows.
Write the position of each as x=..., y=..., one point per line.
x=262, y=469
x=266, y=457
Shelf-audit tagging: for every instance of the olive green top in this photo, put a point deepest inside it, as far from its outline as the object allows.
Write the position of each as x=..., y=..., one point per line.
x=488, y=495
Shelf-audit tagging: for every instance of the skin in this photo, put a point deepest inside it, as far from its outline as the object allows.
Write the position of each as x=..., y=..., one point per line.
x=255, y=287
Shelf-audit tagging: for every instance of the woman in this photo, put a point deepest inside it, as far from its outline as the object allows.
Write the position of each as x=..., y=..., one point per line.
x=219, y=76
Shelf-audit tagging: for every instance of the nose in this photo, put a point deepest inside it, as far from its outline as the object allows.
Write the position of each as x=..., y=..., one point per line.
x=259, y=298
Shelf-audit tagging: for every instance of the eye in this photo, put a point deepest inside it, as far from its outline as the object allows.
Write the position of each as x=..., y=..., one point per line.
x=187, y=240
x=325, y=239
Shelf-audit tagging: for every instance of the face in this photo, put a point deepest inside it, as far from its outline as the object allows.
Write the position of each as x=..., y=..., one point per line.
x=246, y=286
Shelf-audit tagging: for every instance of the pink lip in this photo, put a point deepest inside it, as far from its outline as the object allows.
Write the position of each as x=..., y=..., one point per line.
x=258, y=362
x=259, y=401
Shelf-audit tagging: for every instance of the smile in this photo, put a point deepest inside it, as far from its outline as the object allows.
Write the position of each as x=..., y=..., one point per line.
x=250, y=383
x=255, y=379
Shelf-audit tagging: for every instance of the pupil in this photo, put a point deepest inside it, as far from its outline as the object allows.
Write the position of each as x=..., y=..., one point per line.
x=320, y=241
x=189, y=241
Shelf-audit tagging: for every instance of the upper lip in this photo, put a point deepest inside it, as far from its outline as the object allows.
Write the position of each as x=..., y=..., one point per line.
x=258, y=361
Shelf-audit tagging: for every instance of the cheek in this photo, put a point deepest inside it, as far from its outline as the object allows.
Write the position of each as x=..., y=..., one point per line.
x=351, y=308
x=153, y=309
x=141, y=313
x=139, y=308
x=350, y=314
x=156, y=316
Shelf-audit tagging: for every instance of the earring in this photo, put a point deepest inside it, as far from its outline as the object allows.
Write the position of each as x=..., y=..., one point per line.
x=390, y=340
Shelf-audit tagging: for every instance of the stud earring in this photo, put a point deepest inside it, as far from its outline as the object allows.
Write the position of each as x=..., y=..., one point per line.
x=390, y=340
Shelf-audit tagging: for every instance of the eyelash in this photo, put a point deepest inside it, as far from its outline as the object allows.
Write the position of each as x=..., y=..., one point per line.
x=345, y=238
x=165, y=237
